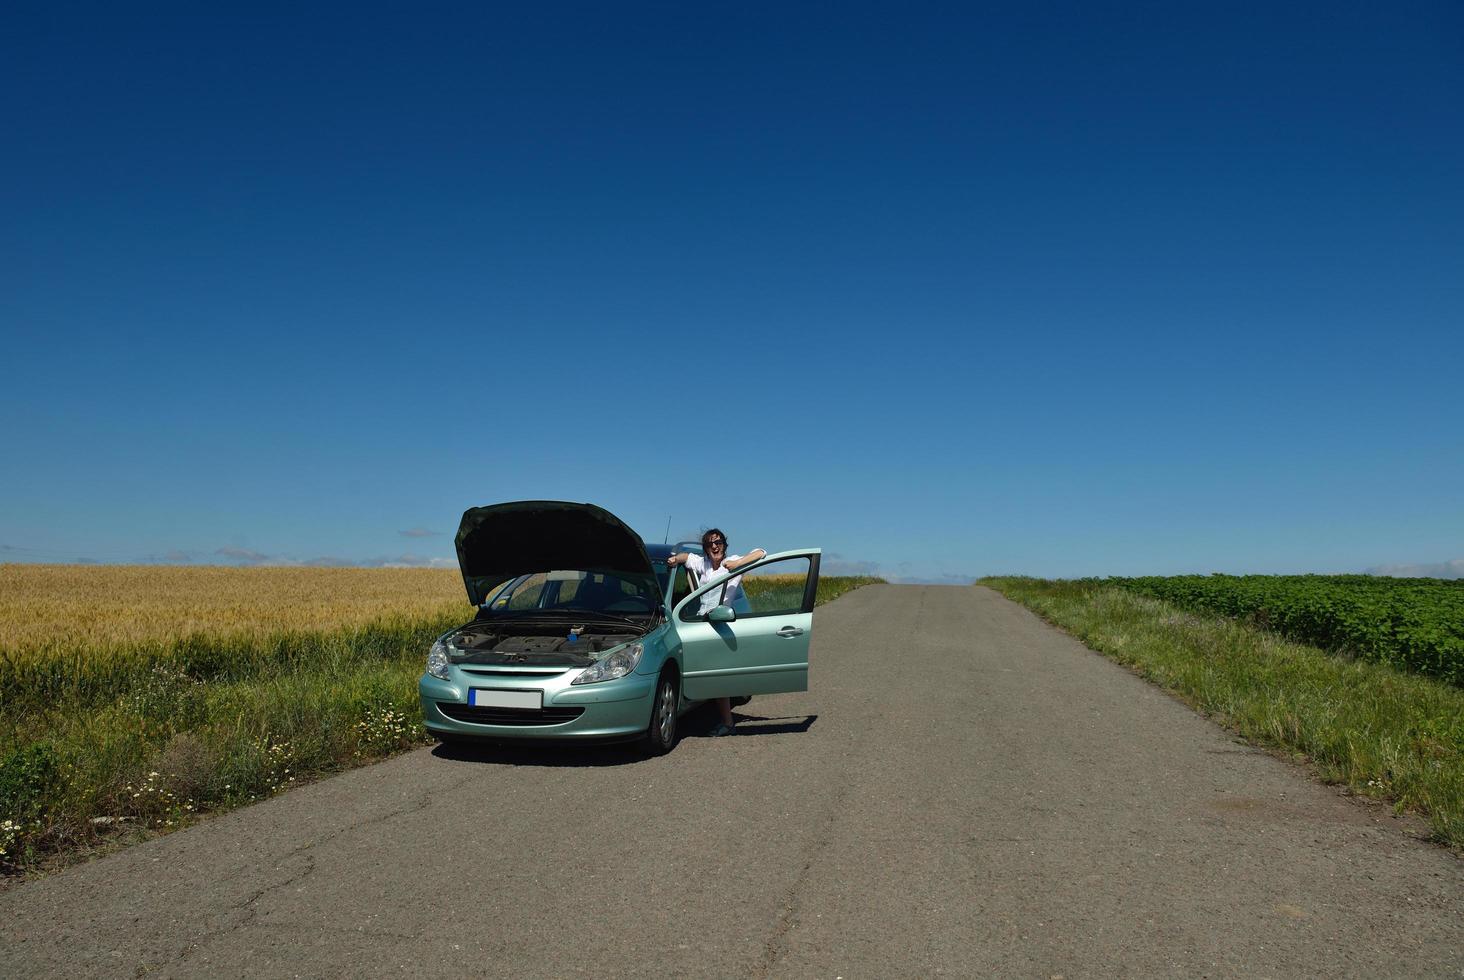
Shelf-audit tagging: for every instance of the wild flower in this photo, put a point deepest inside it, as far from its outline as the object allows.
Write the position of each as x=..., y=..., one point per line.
x=154, y=803
x=384, y=729
x=279, y=759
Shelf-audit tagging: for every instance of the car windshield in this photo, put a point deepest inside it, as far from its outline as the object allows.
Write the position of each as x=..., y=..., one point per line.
x=572, y=590
x=658, y=554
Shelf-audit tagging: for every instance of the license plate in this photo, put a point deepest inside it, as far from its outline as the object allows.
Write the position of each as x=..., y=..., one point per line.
x=480, y=698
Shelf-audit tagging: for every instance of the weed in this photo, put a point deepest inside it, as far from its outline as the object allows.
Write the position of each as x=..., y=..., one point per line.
x=386, y=729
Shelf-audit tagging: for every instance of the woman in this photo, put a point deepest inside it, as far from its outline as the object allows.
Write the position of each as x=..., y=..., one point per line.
x=714, y=564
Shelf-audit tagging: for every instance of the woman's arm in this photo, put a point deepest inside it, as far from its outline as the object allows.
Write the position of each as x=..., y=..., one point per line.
x=754, y=555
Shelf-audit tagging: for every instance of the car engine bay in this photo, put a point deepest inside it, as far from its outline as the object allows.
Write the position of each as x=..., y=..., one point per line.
x=548, y=644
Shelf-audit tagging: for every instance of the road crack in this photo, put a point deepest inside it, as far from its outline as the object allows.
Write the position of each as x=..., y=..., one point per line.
x=776, y=945
x=245, y=911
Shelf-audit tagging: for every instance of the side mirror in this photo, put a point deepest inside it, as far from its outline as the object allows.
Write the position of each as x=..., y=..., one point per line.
x=722, y=614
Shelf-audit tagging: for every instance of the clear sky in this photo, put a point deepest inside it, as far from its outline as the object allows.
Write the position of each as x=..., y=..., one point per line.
x=1056, y=288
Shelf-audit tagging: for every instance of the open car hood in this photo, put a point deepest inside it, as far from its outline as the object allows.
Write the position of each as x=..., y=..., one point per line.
x=497, y=543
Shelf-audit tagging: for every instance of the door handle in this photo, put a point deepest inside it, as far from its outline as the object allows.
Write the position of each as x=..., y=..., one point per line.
x=787, y=632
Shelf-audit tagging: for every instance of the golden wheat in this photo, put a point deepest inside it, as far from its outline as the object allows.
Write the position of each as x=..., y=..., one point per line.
x=43, y=607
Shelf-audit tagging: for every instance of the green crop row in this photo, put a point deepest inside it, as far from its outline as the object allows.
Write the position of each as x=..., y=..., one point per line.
x=1412, y=624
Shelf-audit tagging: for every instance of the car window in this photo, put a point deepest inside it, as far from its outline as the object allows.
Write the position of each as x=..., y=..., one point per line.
x=569, y=589
x=525, y=593
x=498, y=591
x=775, y=589
x=682, y=586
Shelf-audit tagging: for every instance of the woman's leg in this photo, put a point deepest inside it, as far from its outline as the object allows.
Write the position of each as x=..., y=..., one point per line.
x=724, y=705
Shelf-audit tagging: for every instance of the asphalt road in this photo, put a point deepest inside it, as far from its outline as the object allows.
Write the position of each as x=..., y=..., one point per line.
x=965, y=791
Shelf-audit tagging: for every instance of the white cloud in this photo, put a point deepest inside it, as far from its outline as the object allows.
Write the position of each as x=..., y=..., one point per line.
x=412, y=561
x=173, y=556
x=1443, y=569
x=834, y=563
x=901, y=573
x=385, y=561
x=245, y=556
x=938, y=579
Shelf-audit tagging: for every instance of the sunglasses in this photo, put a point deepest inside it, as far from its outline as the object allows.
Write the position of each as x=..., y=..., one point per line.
x=715, y=543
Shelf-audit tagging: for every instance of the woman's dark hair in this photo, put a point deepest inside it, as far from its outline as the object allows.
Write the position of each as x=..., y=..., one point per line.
x=711, y=531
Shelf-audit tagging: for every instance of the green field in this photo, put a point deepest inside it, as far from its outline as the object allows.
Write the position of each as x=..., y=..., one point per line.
x=1383, y=732
x=1413, y=624
x=174, y=692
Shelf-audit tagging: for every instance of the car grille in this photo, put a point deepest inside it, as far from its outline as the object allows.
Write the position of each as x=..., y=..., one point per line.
x=508, y=716
x=536, y=673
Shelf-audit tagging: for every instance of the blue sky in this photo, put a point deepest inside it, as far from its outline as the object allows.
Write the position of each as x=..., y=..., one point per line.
x=1061, y=288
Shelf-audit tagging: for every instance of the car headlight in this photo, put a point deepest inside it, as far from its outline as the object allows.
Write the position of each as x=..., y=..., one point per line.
x=618, y=664
x=437, y=662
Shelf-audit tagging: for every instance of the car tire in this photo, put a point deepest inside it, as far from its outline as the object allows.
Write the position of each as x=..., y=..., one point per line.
x=662, y=731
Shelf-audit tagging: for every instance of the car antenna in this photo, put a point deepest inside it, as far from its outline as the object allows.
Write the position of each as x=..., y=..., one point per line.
x=667, y=538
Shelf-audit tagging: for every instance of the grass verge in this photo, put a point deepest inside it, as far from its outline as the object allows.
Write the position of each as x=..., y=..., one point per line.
x=1383, y=733
x=830, y=587
x=123, y=743
x=109, y=740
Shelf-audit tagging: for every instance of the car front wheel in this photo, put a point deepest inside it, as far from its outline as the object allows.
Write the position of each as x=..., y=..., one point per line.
x=660, y=736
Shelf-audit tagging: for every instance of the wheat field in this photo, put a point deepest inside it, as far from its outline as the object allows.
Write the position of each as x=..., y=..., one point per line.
x=43, y=607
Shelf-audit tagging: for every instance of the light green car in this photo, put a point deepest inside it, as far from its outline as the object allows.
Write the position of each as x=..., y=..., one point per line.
x=583, y=636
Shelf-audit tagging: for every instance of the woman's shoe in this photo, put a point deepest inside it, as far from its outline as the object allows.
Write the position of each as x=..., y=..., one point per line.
x=722, y=729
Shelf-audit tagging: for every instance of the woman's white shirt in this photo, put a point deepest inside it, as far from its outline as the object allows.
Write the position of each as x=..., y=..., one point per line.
x=705, y=573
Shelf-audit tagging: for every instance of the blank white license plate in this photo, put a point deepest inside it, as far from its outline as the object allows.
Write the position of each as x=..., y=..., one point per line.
x=480, y=698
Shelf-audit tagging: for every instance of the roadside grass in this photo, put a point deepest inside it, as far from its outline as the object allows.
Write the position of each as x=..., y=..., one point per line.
x=114, y=731
x=1381, y=732
x=832, y=586
x=159, y=733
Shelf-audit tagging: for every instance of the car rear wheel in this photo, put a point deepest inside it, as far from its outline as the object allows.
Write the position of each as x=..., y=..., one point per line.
x=660, y=736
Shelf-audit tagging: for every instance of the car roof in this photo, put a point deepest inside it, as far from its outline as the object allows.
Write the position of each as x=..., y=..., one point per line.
x=660, y=552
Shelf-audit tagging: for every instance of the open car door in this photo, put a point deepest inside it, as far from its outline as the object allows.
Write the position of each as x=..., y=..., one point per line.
x=757, y=644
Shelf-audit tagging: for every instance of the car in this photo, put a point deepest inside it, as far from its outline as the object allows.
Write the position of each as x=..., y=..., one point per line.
x=584, y=635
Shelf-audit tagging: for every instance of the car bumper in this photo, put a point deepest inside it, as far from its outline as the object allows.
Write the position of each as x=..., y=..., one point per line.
x=610, y=711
